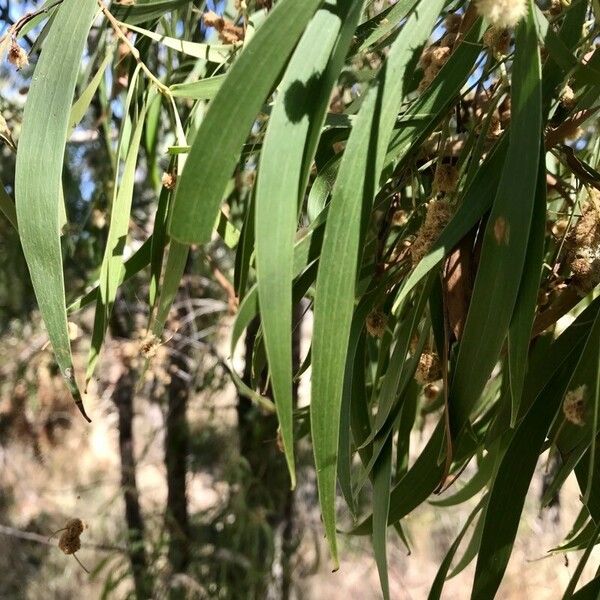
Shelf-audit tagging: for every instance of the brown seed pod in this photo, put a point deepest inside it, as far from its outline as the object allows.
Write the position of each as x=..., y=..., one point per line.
x=452, y=22
x=69, y=541
x=583, y=248
x=445, y=179
x=567, y=97
x=429, y=369
x=169, y=180
x=17, y=56
x=574, y=406
x=149, y=346
x=497, y=39
x=376, y=323
x=438, y=216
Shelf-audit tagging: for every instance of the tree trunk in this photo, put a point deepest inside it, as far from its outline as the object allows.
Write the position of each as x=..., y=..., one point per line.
x=123, y=399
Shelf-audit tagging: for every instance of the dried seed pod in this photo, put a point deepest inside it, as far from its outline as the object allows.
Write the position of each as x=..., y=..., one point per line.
x=149, y=346
x=69, y=541
x=400, y=218
x=560, y=227
x=429, y=369
x=438, y=216
x=452, y=22
x=376, y=323
x=169, y=180
x=440, y=55
x=17, y=56
x=574, y=405
x=583, y=244
x=445, y=179
x=69, y=544
x=497, y=39
x=212, y=19
x=567, y=97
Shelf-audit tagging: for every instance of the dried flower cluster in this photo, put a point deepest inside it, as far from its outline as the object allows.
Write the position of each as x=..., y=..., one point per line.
x=583, y=245
x=69, y=541
x=502, y=13
x=229, y=32
x=434, y=57
x=169, y=180
x=497, y=39
x=574, y=406
x=429, y=369
x=149, y=346
x=445, y=179
x=438, y=216
x=376, y=323
x=567, y=97
x=17, y=56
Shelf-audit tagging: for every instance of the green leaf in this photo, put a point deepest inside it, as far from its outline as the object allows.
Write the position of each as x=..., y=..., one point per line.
x=581, y=564
x=416, y=486
x=385, y=25
x=140, y=259
x=352, y=197
x=589, y=591
x=519, y=333
x=474, y=485
x=382, y=481
x=217, y=53
x=112, y=270
x=517, y=466
x=435, y=593
x=505, y=239
x=39, y=171
x=203, y=89
x=302, y=102
x=230, y=116
x=80, y=107
x=146, y=10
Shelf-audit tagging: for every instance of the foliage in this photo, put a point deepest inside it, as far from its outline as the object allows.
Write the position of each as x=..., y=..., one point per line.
x=423, y=177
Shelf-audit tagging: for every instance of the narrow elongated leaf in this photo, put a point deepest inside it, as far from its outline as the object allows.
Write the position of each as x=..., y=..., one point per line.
x=416, y=486
x=581, y=564
x=146, y=10
x=352, y=197
x=388, y=24
x=80, y=107
x=140, y=259
x=519, y=332
x=505, y=240
x=217, y=53
x=216, y=148
x=203, y=89
x=382, y=480
x=39, y=171
x=112, y=270
x=589, y=591
x=279, y=190
x=437, y=586
x=515, y=471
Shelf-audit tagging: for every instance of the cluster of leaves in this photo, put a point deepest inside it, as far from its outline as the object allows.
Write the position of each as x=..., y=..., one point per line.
x=430, y=214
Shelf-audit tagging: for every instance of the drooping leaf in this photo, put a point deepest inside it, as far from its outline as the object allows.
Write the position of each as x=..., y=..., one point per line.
x=352, y=196
x=505, y=239
x=216, y=147
x=313, y=70
x=39, y=172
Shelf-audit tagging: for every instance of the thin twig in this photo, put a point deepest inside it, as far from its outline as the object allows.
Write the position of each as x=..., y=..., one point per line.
x=40, y=539
x=162, y=88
